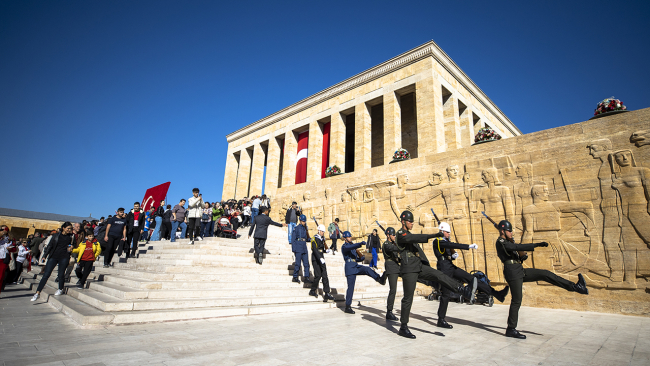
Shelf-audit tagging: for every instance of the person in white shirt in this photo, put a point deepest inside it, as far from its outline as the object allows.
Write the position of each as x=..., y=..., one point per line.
x=20, y=259
x=247, y=215
x=194, y=212
x=256, y=207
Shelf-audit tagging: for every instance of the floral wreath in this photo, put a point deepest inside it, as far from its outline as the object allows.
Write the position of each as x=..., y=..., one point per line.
x=401, y=154
x=332, y=170
x=486, y=134
x=609, y=105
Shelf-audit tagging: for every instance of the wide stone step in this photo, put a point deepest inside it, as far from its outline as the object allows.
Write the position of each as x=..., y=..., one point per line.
x=182, y=266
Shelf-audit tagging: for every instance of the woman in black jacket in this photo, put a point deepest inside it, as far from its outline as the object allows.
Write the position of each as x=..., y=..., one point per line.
x=158, y=217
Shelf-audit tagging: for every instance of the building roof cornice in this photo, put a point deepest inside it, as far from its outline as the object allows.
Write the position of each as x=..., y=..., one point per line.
x=429, y=49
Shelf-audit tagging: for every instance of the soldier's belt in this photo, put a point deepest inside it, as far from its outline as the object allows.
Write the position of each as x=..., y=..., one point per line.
x=301, y=239
x=512, y=261
x=447, y=257
x=351, y=260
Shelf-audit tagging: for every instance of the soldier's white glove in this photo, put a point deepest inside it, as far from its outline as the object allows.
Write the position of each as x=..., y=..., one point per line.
x=454, y=256
x=322, y=260
x=473, y=246
x=328, y=251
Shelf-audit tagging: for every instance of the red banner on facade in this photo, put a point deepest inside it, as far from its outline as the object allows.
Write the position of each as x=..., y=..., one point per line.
x=301, y=159
x=326, y=149
x=154, y=195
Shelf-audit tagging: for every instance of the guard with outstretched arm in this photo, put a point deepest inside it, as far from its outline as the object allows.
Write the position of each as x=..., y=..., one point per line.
x=318, y=262
x=353, y=269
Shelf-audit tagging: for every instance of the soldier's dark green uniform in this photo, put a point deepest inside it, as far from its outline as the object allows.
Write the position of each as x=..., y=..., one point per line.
x=391, y=266
x=515, y=275
x=414, y=265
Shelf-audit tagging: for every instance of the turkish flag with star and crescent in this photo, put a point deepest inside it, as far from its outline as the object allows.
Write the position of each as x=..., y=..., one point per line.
x=301, y=159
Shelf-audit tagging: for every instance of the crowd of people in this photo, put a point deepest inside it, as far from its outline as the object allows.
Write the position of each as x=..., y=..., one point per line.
x=83, y=243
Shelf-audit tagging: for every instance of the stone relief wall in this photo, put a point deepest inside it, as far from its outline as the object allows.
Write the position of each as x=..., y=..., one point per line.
x=583, y=188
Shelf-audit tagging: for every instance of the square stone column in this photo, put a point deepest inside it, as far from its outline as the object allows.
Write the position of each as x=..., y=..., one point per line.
x=337, y=141
x=230, y=176
x=314, y=152
x=272, y=167
x=257, y=171
x=392, y=126
x=362, y=138
x=289, y=162
x=243, y=175
x=466, y=128
x=431, y=126
x=452, y=124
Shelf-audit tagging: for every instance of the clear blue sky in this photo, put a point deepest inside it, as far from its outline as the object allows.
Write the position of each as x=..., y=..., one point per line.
x=100, y=100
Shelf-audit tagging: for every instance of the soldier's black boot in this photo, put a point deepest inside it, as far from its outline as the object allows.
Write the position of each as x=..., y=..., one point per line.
x=348, y=309
x=382, y=279
x=313, y=293
x=581, y=286
x=501, y=295
x=327, y=296
x=442, y=323
x=405, y=332
x=296, y=280
x=390, y=316
x=468, y=292
x=514, y=333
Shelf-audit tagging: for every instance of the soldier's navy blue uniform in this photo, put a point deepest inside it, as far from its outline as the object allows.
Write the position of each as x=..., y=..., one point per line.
x=352, y=268
x=299, y=239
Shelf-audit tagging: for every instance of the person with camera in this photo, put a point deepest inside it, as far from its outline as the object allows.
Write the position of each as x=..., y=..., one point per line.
x=512, y=255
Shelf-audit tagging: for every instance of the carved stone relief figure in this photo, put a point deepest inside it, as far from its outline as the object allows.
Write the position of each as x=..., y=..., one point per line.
x=343, y=208
x=542, y=222
x=354, y=214
x=368, y=212
x=633, y=184
x=601, y=149
x=329, y=208
x=641, y=138
x=522, y=189
x=455, y=214
x=400, y=194
x=496, y=201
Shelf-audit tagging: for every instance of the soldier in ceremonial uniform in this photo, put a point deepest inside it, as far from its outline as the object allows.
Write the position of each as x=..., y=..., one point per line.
x=391, y=265
x=318, y=261
x=515, y=274
x=414, y=265
x=299, y=239
x=352, y=268
x=442, y=248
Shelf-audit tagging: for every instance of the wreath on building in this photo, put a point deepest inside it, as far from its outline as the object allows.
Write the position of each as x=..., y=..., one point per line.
x=401, y=154
x=332, y=170
x=609, y=105
x=486, y=134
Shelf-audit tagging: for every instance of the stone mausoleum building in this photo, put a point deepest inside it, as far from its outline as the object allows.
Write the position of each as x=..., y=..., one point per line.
x=583, y=188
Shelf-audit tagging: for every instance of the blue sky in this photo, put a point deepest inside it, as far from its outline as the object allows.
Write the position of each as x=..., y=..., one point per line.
x=100, y=100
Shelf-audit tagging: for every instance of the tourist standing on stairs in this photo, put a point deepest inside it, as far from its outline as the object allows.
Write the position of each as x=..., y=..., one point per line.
x=318, y=262
x=335, y=234
x=134, y=228
x=178, y=219
x=299, y=239
x=374, y=248
x=261, y=226
x=115, y=232
x=194, y=212
x=160, y=211
x=166, y=229
x=57, y=252
x=206, y=220
x=291, y=218
x=353, y=269
x=255, y=208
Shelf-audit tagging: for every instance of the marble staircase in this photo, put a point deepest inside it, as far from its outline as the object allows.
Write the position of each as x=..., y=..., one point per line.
x=213, y=278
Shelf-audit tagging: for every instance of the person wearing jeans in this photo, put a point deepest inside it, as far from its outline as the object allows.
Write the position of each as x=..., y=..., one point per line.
x=291, y=218
x=206, y=220
x=178, y=219
x=194, y=212
x=58, y=254
x=115, y=233
x=255, y=209
x=158, y=219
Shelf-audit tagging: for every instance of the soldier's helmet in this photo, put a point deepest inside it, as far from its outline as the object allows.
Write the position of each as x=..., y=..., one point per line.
x=321, y=227
x=406, y=216
x=347, y=234
x=444, y=227
x=390, y=231
x=504, y=225
x=303, y=218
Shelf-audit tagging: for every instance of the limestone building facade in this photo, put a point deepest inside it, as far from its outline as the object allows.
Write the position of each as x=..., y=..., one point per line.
x=583, y=188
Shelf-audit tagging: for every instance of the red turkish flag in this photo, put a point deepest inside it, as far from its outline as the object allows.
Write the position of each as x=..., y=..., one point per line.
x=154, y=195
x=301, y=159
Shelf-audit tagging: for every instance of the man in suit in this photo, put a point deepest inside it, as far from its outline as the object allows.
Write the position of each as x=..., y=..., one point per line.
x=299, y=239
x=353, y=269
x=261, y=225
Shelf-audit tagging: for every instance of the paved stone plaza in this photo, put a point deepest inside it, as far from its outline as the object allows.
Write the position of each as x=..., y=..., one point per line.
x=37, y=334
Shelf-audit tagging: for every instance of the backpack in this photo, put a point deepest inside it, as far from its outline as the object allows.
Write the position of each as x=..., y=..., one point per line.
x=481, y=277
